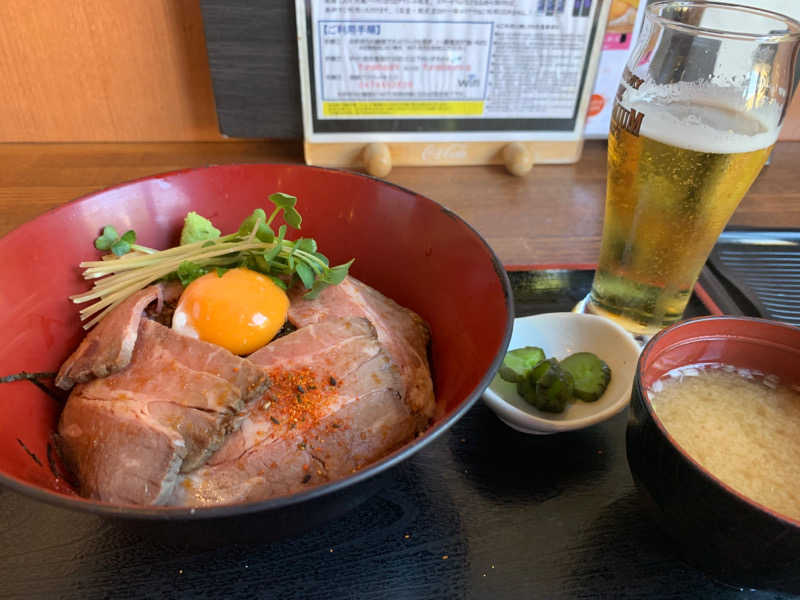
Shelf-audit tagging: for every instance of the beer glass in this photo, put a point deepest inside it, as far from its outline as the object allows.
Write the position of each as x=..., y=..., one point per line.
x=696, y=114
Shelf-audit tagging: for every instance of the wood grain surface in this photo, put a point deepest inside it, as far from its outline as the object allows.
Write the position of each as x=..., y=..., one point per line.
x=791, y=124
x=484, y=512
x=470, y=516
x=552, y=215
x=104, y=70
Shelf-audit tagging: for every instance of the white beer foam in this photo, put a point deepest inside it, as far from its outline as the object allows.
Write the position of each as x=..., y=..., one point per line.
x=702, y=118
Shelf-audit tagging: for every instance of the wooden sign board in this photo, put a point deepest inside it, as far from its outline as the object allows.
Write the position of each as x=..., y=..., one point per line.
x=388, y=82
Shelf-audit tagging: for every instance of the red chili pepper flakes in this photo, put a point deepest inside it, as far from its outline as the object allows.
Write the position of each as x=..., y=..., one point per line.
x=296, y=397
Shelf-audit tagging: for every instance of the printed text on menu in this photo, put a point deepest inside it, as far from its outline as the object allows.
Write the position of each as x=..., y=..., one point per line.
x=449, y=58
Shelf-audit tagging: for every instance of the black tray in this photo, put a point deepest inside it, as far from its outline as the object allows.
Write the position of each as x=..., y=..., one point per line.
x=483, y=512
x=760, y=269
x=559, y=290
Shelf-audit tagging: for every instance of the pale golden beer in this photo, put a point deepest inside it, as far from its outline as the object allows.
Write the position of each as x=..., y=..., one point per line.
x=673, y=183
x=699, y=106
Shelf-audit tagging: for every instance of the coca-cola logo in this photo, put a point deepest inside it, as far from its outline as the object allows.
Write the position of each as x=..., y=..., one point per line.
x=444, y=152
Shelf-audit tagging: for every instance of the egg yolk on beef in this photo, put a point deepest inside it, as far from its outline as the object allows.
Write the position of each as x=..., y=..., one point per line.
x=242, y=310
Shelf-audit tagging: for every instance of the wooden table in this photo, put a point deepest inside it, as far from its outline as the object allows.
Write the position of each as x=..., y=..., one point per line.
x=482, y=512
x=553, y=215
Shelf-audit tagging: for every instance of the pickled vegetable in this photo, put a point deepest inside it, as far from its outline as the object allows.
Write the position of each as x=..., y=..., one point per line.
x=544, y=370
x=518, y=363
x=591, y=375
x=549, y=384
x=555, y=395
x=547, y=387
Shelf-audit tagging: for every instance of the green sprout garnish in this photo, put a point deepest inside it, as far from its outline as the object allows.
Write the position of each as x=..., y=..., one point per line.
x=111, y=240
x=256, y=246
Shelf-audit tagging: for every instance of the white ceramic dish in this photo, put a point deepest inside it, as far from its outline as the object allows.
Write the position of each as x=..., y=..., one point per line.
x=559, y=335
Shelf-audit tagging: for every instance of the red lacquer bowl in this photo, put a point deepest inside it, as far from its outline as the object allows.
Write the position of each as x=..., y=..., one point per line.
x=405, y=245
x=716, y=528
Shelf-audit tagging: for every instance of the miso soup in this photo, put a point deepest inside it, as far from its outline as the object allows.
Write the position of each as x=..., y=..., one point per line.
x=742, y=426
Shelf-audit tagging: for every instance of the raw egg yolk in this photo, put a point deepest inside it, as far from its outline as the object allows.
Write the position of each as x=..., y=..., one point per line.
x=242, y=310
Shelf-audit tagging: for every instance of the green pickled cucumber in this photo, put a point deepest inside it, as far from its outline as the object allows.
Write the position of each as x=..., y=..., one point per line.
x=543, y=370
x=554, y=390
x=527, y=390
x=591, y=375
x=518, y=363
x=547, y=387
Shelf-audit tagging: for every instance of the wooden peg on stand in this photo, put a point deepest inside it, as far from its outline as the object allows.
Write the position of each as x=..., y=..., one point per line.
x=517, y=159
x=377, y=159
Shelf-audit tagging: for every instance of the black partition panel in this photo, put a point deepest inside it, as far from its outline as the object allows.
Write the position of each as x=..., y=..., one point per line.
x=252, y=52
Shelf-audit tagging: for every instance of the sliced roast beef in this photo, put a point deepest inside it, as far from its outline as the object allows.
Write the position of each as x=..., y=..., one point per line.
x=108, y=347
x=117, y=453
x=126, y=436
x=159, y=418
x=401, y=331
x=337, y=402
